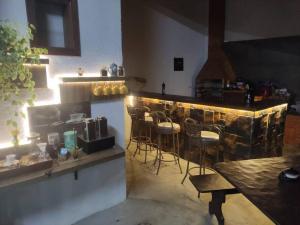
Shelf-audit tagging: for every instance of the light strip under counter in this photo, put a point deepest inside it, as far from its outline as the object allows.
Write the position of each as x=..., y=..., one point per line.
x=238, y=112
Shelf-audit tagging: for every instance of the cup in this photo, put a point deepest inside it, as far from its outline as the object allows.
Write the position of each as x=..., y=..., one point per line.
x=53, y=138
x=98, y=90
x=9, y=159
x=42, y=147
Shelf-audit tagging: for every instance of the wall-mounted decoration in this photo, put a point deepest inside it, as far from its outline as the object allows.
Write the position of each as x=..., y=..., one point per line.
x=57, y=25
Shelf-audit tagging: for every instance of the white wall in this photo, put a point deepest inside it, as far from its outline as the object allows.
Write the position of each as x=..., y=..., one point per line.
x=100, y=34
x=114, y=111
x=63, y=200
x=150, y=42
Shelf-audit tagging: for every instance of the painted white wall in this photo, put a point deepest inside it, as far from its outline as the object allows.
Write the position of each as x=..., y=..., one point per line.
x=151, y=41
x=114, y=111
x=100, y=34
x=63, y=200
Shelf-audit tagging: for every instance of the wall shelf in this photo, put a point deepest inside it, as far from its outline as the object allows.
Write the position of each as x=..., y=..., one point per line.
x=41, y=61
x=91, y=79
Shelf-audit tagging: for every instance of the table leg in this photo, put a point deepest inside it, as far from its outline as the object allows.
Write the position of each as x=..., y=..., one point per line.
x=215, y=205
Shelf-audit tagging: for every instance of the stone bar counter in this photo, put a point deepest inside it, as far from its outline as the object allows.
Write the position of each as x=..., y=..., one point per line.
x=249, y=131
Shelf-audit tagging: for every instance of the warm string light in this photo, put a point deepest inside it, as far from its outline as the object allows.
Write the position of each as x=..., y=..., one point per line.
x=238, y=112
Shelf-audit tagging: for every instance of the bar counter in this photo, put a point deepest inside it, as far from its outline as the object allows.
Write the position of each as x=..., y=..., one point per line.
x=186, y=99
x=258, y=126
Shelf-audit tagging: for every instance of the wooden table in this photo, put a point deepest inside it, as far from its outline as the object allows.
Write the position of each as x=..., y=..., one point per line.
x=257, y=179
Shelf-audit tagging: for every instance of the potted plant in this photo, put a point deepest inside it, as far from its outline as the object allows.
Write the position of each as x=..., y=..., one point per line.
x=17, y=86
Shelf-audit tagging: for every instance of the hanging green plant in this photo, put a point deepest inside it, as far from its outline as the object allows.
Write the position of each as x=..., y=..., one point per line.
x=17, y=86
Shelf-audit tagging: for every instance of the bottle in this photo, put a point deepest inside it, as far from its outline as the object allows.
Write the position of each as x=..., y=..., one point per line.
x=248, y=95
x=163, y=88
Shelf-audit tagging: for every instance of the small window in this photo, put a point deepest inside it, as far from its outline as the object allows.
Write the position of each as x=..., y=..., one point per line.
x=57, y=25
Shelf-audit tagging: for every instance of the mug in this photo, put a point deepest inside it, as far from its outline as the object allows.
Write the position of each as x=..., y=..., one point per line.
x=98, y=90
x=10, y=158
x=123, y=89
x=53, y=138
x=107, y=90
x=115, y=90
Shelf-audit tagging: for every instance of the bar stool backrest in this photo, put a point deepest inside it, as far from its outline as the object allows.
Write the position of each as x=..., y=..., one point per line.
x=158, y=117
x=192, y=127
x=131, y=111
x=140, y=112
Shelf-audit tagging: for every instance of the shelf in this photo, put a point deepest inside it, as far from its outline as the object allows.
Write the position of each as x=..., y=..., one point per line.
x=106, y=97
x=41, y=62
x=91, y=79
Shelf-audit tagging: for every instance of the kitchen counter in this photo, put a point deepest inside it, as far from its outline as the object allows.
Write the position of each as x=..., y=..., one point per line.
x=62, y=167
x=66, y=193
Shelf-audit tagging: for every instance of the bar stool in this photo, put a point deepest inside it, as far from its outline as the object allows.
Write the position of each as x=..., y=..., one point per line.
x=132, y=113
x=195, y=132
x=144, y=127
x=165, y=128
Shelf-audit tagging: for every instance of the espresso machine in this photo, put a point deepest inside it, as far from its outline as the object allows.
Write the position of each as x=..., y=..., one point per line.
x=95, y=136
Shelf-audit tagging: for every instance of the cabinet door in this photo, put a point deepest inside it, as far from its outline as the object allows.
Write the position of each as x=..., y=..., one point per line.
x=292, y=130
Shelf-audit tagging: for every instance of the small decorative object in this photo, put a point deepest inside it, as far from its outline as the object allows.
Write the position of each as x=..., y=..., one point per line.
x=121, y=71
x=80, y=71
x=10, y=160
x=75, y=153
x=113, y=70
x=63, y=154
x=163, y=88
x=70, y=139
x=53, y=138
x=42, y=147
x=103, y=72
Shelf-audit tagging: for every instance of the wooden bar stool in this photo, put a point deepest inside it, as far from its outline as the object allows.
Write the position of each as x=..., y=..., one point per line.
x=195, y=132
x=166, y=128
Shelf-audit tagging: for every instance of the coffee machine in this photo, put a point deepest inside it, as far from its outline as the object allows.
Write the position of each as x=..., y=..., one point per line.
x=96, y=136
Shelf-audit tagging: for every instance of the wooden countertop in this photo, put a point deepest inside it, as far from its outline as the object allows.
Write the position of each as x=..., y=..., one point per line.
x=186, y=99
x=62, y=167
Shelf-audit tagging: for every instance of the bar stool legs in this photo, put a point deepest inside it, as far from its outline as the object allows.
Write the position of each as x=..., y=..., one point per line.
x=202, y=157
x=143, y=140
x=175, y=153
x=188, y=163
x=131, y=135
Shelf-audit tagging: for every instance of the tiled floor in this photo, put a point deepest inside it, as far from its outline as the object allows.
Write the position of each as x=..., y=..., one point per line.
x=163, y=200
